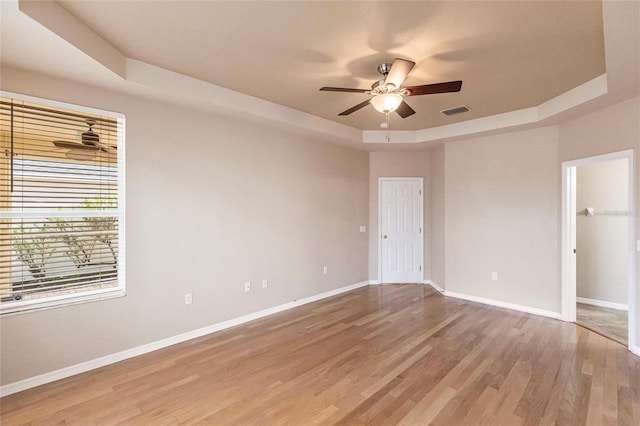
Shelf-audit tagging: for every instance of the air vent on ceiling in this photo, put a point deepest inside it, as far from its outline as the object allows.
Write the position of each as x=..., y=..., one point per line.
x=456, y=110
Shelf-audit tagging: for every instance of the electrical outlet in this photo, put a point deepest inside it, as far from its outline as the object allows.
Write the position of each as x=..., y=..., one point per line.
x=188, y=298
x=247, y=287
x=494, y=276
x=325, y=270
x=265, y=283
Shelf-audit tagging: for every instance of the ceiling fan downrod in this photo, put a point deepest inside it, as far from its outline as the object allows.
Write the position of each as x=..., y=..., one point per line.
x=384, y=68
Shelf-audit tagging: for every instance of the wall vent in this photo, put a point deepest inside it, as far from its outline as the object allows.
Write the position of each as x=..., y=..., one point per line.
x=456, y=110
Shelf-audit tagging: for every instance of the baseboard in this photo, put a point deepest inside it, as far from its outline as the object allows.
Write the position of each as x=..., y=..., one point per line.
x=507, y=305
x=434, y=285
x=150, y=347
x=635, y=350
x=374, y=282
x=602, y=303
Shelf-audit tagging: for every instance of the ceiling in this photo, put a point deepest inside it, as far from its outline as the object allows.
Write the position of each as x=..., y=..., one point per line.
x=510, y=55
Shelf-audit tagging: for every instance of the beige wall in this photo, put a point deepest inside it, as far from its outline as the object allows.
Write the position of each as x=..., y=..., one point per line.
x=438, y=215
x=211, y=203
x=602, y=239
x=396, y=164
x=502, y=210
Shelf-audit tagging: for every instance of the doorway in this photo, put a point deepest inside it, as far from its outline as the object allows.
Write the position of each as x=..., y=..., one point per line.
x=598, y=256
x=400, y=228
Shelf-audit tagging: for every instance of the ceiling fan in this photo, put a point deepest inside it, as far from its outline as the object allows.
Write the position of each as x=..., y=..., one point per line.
x=387, y=94
x=90, y=146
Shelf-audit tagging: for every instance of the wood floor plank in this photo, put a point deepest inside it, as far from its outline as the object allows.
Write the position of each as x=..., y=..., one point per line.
x=383, y=355
x=479, y=407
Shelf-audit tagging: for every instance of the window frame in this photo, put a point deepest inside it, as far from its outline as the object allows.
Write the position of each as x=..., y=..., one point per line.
x=53, y=301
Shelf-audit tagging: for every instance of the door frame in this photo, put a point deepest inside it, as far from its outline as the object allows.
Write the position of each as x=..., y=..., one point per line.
x=415, y=179
x=569, y=213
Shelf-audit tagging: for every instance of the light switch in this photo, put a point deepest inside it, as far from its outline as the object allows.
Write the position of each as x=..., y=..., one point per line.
x=363, y=228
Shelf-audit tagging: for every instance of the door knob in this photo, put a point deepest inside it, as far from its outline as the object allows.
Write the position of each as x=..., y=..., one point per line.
x=384, y=236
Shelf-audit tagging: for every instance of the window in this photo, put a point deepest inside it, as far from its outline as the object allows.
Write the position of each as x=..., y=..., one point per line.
x=61, y=204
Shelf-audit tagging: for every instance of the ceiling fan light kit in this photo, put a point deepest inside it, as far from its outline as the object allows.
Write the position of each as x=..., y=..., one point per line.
x=387, y=102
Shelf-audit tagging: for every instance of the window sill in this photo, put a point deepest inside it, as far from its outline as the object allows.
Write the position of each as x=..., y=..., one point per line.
x=60, y=298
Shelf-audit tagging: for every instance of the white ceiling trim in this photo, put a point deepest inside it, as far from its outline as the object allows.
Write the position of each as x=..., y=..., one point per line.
x=174, y=87
x=65, y=25
x=584, y=93
x=177, y=88
x=159, y=83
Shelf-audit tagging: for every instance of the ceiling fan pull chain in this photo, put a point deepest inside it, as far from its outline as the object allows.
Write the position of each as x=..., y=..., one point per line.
x=388, y=138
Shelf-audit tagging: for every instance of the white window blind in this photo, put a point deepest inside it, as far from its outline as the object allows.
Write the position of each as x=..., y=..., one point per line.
x=61, y=204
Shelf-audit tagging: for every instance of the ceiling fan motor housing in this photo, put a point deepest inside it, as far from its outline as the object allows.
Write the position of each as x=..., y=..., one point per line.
x=379, y=83
x=90, y=138
x=384, y=68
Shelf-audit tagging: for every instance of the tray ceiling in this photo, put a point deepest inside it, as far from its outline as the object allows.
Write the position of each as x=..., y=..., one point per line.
x=510, y=55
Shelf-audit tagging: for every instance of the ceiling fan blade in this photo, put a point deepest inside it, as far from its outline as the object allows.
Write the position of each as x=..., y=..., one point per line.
x=73, y=145
x=398, y=72
x=404, y=110
x=355, y=108
x=80, y=155
x=342, y=89
x=101, y=146
x=108, y=155
x=430, y=89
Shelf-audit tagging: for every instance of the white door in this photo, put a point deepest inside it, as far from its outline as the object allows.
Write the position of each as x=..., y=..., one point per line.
x=401, y=230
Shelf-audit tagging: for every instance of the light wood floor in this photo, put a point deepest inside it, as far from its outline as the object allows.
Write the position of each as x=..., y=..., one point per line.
x=378, y=355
